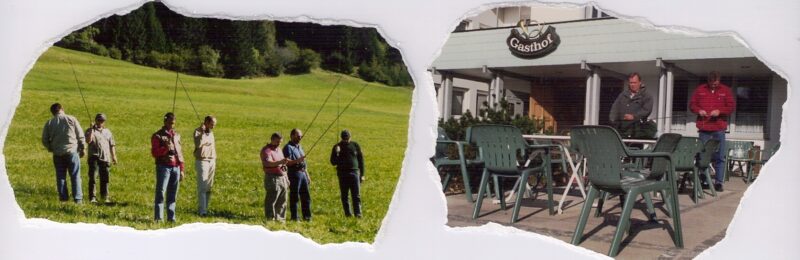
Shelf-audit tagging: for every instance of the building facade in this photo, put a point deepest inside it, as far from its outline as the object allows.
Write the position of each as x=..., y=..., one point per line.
x=576, y=82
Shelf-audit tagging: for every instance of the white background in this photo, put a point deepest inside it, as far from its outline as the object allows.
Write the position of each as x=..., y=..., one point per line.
x=765, y=225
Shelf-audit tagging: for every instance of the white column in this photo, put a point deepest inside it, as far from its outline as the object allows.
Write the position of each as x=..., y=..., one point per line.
x=662, y=86
x=492, y=95
x=447, y=87
x=440, y=95
x=500, y=88
x=668, y=101
x=587, y=105
x=596, y=81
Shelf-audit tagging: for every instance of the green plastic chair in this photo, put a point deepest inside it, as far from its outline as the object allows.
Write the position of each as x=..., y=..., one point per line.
x=683, y=158
x=602, y=146
x=766, y=154
x=737, y=153
x=558, y=155
x=443, y=163
x=499, y=148
x=635, y=170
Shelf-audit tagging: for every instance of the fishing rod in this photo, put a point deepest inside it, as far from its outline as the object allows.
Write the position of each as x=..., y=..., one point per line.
x=323, y=104
x=75, y=74
x=190, y=100
x=175, y=94
x=336, y=119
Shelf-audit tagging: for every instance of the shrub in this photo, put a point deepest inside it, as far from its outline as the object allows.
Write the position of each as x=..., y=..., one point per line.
x=97, y=49
x=208, y=62
x=306, y=60
x=273, y=65
x=157, y=59
x=338, y=63
x=371, y=72
x=115, y=53
x=456, y=128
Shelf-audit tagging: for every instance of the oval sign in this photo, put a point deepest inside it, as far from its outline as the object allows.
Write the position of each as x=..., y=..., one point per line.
x=532, y=48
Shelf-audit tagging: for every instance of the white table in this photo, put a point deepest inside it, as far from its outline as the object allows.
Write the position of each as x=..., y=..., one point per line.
x=574, y=166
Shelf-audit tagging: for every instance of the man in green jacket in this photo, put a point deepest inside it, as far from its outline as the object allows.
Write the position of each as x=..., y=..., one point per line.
x=62, y=135
x=349, y=161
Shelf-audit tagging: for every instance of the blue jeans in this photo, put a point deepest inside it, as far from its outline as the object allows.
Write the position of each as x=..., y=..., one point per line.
x=349, y=182
x=71, y=163
x=717, y=159
x=167, y=178
x=298, y=192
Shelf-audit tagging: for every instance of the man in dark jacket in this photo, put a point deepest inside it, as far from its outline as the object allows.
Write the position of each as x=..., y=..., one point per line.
x=349, y=161
x=631, y=109
x=713, y=102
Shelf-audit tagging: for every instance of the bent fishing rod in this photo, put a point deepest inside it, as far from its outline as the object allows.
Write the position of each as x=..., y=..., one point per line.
x=175, y=95
x=336, y=119
x=323, y=104
x=75, y=74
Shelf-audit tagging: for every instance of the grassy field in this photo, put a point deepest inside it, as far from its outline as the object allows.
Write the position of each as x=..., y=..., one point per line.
x=248, y=111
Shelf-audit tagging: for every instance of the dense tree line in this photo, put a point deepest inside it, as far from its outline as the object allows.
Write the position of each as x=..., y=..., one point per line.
x=155, y=36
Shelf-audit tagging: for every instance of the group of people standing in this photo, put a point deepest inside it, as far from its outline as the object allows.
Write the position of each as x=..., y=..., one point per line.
x=284, y=169
x=712, y=102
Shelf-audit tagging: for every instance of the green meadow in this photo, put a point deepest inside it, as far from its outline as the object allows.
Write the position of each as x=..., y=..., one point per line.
x=248, y=110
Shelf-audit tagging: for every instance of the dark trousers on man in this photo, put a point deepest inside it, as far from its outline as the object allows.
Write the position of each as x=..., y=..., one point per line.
x=298, y=192
x=349, y=183
x=98, y=167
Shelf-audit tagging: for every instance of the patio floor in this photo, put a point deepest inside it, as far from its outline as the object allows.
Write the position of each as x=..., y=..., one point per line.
x=704, y=224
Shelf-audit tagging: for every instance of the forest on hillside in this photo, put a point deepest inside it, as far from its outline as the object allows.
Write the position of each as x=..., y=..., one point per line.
x=155, y=36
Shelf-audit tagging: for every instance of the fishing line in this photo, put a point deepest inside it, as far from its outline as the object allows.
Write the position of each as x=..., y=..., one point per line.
x=323, y=104
x=175, y=94
x=335, y=120
x=190, y=99
x=75, y=74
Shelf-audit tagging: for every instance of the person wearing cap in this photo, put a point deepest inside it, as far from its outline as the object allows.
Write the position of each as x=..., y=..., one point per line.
x=298, y=176
x=349, y=161
x=62, y=136
x=205, y=162
x=102, y=153
x=275, y=181
x=166, y=149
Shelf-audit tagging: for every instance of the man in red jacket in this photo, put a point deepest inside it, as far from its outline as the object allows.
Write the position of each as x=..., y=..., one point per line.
x=713, y=102
x=166, y=149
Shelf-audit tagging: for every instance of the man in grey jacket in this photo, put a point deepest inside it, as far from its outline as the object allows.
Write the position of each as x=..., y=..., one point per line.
x=62, y=136
x=632, y=107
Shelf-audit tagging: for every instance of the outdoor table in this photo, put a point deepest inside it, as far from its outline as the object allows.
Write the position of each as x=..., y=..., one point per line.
x=575, y=165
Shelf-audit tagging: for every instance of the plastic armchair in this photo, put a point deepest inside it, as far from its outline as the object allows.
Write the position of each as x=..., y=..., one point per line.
x=499, y=147
x=444, y=164
x=602, y=146
x=766, y=154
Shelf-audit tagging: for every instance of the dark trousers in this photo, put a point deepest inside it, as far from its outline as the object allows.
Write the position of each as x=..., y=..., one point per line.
x=98, y=167
x=349, y=183
x=298, y=192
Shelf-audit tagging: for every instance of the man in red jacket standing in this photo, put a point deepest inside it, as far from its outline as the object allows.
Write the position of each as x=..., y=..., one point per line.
x=166, y=149
x=713, y=102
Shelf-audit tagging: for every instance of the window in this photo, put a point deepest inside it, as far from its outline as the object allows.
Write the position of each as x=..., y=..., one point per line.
x=457, y=103
x=680, y=105
x=481, y=102
x=752, y=104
